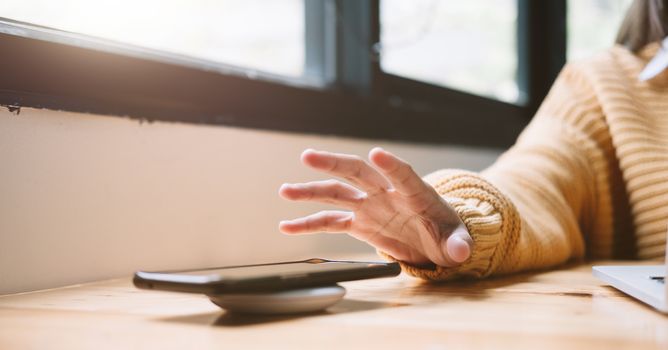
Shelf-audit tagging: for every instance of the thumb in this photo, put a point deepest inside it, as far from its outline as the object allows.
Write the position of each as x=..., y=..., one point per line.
x=459, y=245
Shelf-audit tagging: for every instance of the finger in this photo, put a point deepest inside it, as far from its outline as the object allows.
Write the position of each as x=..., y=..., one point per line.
x=459, y=245
x=328, y=191
x=349, y=167
x=325, y=221
x=401, y=174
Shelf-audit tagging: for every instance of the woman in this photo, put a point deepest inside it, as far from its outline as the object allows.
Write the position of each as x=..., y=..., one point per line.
x=588, y=176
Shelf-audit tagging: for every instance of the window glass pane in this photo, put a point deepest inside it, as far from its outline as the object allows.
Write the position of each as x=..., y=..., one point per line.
x=593, y=25
x=263, y=35
x=468, y=45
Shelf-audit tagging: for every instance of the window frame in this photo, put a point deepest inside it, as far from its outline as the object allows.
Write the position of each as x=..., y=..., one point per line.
x=47, y=68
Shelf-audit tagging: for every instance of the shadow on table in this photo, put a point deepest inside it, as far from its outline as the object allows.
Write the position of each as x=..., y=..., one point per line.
x=230, y=319
x=529, y=282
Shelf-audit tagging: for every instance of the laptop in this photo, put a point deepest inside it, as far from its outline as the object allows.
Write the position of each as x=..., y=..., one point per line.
x=645, y=283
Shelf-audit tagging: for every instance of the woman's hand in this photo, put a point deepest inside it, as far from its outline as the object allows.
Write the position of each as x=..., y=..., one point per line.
x=390, y=207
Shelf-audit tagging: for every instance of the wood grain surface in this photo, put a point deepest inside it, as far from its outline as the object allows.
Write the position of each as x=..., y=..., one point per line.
x=565, y=309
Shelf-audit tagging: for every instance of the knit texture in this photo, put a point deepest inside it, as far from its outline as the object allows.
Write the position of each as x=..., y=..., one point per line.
x=587, y=177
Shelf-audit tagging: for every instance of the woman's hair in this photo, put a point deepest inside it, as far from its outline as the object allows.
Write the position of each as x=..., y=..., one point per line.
x=646, y=21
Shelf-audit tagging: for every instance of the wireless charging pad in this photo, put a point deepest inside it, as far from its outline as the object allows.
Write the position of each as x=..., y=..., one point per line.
x=282, y=302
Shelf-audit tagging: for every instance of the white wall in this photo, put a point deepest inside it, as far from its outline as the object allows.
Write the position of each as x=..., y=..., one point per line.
x=86, y=197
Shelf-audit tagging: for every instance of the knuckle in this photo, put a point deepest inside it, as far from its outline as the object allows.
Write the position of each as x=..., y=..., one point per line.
x=356, y=161
x=335, y=165
x=404, y=181
x=358, y=167
x=356, y=158
x=398, y=168
x=357, y=172
x=407, y=168
x=358, y=201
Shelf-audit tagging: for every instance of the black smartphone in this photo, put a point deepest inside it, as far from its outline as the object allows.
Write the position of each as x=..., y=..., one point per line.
x=264, y=277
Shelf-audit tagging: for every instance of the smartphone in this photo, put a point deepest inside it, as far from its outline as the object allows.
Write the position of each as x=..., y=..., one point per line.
x=264, y=277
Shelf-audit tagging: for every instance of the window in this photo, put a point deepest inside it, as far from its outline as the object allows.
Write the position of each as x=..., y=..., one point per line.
x=593, y=25
x=467, y=45
x=460, y=72
x=235, y=32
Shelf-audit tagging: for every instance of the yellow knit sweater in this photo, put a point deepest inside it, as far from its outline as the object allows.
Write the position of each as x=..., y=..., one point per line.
x=587, y=177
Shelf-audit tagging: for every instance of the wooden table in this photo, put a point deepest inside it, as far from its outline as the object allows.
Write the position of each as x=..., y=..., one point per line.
x=565, y=309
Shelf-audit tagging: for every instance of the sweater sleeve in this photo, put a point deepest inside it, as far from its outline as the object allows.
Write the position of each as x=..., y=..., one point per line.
x=530, y=209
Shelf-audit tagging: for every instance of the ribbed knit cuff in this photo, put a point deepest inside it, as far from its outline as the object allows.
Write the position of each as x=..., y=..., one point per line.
x=488, y=215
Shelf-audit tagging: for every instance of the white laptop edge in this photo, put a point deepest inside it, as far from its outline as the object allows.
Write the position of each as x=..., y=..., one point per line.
x=636, y=281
